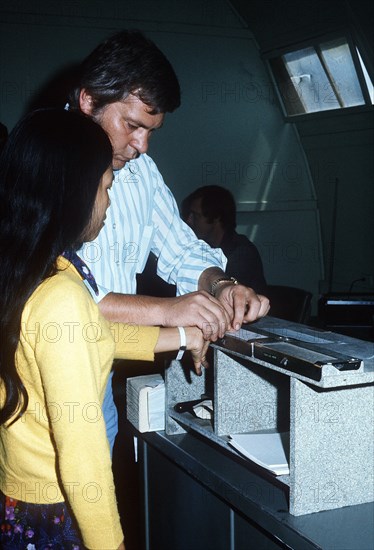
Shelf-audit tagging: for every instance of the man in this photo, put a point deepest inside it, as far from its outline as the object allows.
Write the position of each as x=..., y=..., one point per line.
x=127, y=85
x=211, y=212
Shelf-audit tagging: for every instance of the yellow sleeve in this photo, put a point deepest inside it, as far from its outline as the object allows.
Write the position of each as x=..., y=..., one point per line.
x=70, y=359
x=134, y=342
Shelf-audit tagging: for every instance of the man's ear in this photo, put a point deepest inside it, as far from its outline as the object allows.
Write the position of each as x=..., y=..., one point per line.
x=85, y=102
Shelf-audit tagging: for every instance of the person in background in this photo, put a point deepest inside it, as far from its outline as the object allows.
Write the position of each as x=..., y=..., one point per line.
x=127, y=85
x=56, y=352
x=211, y=212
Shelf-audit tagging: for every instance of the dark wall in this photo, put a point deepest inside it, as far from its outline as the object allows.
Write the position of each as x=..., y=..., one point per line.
x=338, y=146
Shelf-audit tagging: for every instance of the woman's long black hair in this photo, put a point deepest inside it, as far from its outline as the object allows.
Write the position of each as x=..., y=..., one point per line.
x=50, y=171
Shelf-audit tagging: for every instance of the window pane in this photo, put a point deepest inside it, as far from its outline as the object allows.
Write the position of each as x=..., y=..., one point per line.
x=340, y=67
x=310, y=80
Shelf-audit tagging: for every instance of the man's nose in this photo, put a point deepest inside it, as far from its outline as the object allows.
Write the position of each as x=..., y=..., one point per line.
x=140, y=141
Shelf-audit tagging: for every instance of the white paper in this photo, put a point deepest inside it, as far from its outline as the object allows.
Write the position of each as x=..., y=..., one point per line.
x=204, y=409
x=156, y=407
x=269, y=450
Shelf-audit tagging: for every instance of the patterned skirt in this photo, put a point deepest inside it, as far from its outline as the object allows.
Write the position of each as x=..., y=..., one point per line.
x=26, y=526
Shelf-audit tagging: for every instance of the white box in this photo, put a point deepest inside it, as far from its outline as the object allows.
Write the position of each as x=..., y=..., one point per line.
x=145, y=396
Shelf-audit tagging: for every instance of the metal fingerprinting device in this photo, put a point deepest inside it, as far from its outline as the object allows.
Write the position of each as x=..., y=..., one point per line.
x=281, y=376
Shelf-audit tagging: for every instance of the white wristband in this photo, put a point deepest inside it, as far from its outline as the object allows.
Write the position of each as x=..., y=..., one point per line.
x=183, y=343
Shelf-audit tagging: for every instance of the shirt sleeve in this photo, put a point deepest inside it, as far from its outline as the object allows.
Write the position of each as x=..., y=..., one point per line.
x=181, y=256
x=73, y=380
x=134, y=342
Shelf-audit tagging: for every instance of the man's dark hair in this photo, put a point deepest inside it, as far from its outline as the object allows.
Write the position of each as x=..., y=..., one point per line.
x=216, y=203
x=128, y=63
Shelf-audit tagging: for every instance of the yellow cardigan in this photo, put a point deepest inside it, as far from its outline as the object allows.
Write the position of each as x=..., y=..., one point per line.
x=58, y=450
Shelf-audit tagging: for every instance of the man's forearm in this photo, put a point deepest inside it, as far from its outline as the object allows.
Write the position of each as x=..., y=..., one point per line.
x=148, y=310
x=196, y=309
x=128, y=308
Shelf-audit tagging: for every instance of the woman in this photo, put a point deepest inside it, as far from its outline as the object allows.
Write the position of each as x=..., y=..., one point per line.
x=56, y=349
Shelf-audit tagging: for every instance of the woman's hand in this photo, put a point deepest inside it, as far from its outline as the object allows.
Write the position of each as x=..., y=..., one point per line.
x=169, y=340
x=198, y=347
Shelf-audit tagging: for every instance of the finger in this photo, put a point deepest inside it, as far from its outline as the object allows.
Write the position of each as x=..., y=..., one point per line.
x=257, y=310
x=202, y=310
x=213, y=331
x=199, y=358
x=226, y=313
x=240, y=307
x=198, y=368
x=198, y=364
x=265, y=306
x=204, y=352
x=214, y=324
x=246, y=305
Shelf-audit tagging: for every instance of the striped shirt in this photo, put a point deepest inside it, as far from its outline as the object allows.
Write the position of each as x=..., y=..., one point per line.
x=143, y=217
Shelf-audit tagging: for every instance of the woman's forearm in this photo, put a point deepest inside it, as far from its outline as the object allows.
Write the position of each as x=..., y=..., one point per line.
x=169, y=340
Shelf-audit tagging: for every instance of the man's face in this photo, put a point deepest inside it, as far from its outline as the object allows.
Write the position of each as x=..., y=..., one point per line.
x=129, y=126
x=199, y=223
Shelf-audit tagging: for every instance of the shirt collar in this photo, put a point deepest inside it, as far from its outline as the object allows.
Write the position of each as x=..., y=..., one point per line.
x=82, y=268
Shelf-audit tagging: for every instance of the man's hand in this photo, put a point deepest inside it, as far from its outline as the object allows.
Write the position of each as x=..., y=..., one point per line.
x=233, y=305
x=242, y=304
x=198, y=309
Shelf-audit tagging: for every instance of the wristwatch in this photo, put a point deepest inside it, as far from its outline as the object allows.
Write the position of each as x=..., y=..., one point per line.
x=217, y=282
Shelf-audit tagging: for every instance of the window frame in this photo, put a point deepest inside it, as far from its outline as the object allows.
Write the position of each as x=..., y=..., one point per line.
x=315, y=42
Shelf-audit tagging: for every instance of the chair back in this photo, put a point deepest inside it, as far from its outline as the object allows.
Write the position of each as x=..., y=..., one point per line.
x=289, y=303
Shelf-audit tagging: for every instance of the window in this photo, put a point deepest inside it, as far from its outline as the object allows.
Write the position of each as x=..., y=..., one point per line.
x=320, y=77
